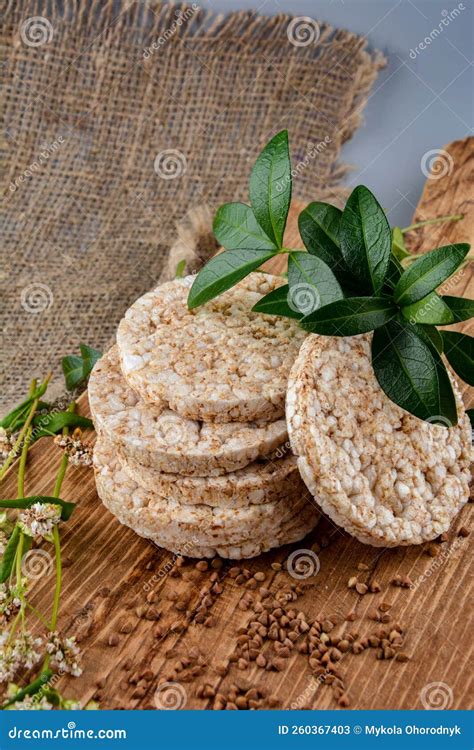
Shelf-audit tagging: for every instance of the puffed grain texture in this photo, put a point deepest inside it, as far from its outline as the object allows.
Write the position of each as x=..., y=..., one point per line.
x=385, y=476
x=220, y=362
x=157, y=437
x=172, y=524
x=263, y=481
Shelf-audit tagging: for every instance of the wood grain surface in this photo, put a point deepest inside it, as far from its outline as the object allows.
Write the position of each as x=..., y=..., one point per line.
x=120, y=591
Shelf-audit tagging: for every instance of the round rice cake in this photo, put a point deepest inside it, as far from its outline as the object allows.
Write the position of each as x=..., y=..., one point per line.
x=263, y=481
x=157, y=517
x=162, y=439
x=220, y=362
x=385, y=476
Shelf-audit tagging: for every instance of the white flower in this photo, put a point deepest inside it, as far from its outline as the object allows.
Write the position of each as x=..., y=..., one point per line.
x=39, y=519
x=65, y=654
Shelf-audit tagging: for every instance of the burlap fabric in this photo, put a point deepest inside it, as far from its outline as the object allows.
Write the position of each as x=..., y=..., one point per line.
x=120, y=117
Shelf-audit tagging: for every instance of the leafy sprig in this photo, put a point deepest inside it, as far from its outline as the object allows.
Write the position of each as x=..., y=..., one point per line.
x=37, y=521
x=354, y=276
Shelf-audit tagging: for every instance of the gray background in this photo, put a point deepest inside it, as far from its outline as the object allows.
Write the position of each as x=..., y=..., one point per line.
x=416, y=104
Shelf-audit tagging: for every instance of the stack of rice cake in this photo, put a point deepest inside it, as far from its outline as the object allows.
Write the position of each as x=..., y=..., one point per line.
x=192, y=447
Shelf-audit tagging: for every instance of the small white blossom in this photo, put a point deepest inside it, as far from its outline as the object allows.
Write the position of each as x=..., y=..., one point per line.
x=32, y=703
x=23, y=652
x=65, y=654
x=6, y=444
x=79, y=453
x=39, y=519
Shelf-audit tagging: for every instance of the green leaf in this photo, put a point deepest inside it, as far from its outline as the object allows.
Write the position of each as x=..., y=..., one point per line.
x=276, y=303
x=73, y=371
x=8, y=557
x=430, y=336
x=312, y=283
x=89, y=358
x=412, y=374
x=180, y=269
x=459, y=351
x=47, y=424
x=236, y=228
x=222, y=272
x=394, y=271
x=319, y=225
x=31, y=689
x=26, y=502
x=461, y=308
x=365, y=239
x=470, y=414
x=16, y=418
x=431, y=310
x=270, y=187
x=350, y=317
x=429, y=271
x=399, y=249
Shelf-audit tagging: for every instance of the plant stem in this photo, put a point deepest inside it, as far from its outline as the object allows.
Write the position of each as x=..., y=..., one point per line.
x=22, y=466
x=438, y=220
x=57, y=540
x=22, y=433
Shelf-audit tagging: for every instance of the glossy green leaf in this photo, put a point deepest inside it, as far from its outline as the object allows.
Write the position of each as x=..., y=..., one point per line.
x=412, y=374
x=236, y=228
x=89, y=357
x=8, y=557
x=26, y=502
x=431, y=310
x=399, y=249
x=222, y=272
x=15, y=419
x=73, y=371
x=394, y=272
x=459, y=351
x=461, y=308
x=430, y=336
x=426, y=273
x=48, y=424
x=365, y=239
x=270, y=187
x=276, y=303
x=351, y=316
x=312, y=283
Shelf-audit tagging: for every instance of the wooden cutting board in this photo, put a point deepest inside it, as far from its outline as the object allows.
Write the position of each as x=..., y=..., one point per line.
x=114, y=581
